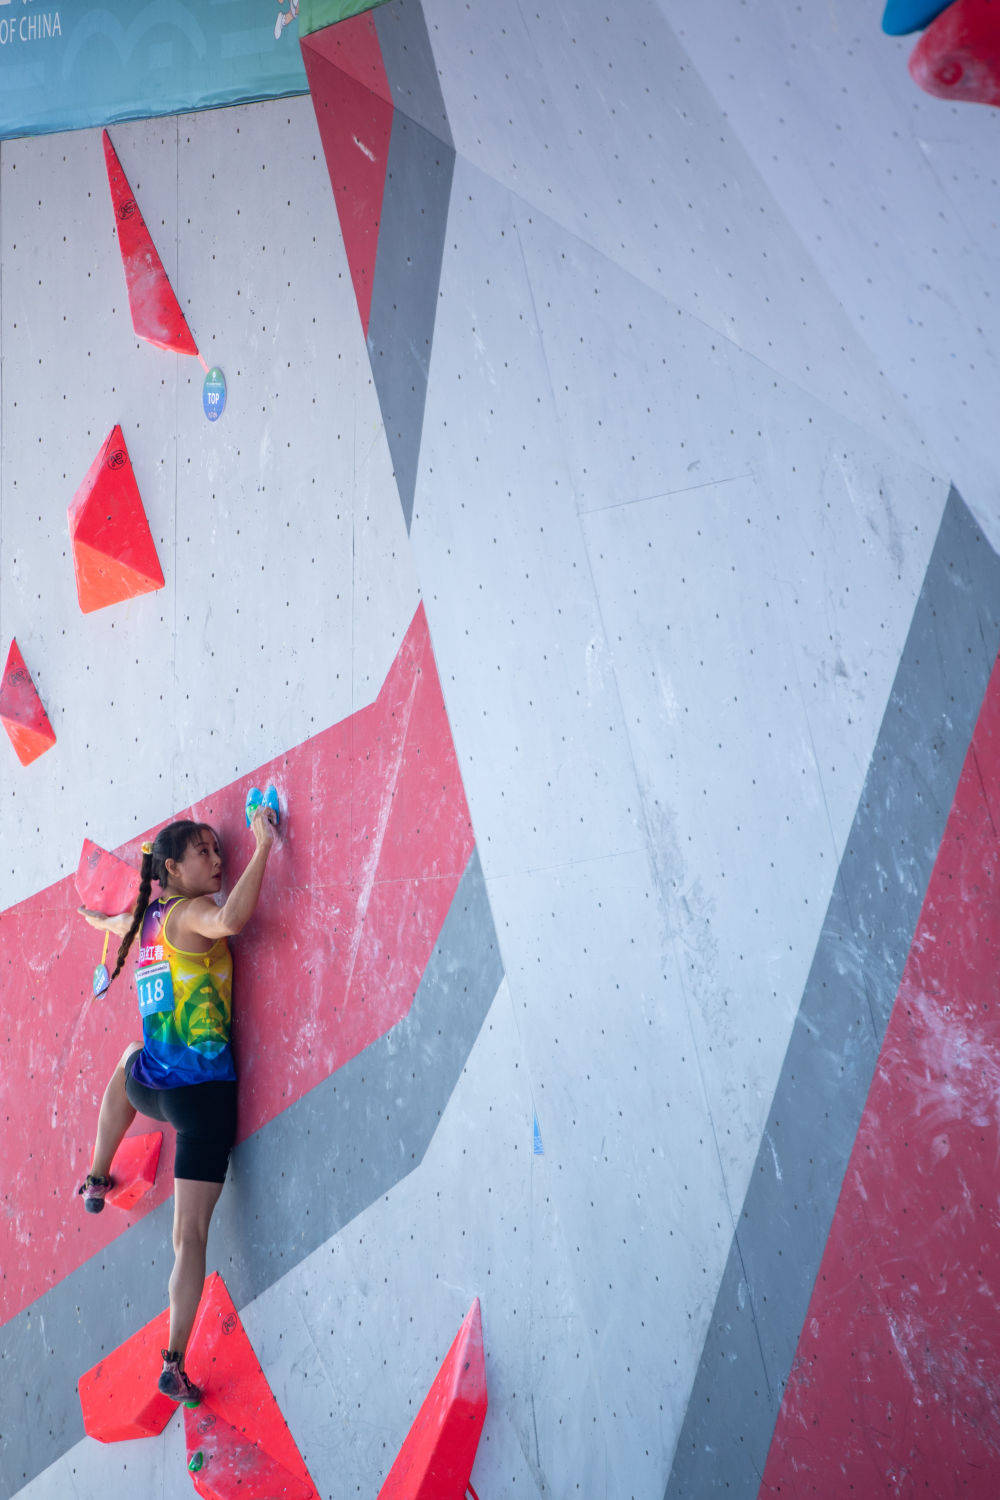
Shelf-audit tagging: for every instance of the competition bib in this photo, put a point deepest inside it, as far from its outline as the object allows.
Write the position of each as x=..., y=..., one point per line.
x=155, y=987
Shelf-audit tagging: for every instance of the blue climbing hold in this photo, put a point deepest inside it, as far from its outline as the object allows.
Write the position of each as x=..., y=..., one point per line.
x=539, y=1148
x=254, y=798
x=271, y=801
x=903, y=16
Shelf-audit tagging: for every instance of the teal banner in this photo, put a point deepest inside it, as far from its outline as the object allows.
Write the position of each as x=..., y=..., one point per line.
x=63, y=67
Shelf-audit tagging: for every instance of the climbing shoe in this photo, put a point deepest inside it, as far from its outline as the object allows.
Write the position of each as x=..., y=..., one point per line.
x=93, y=1191
x=174, y=1382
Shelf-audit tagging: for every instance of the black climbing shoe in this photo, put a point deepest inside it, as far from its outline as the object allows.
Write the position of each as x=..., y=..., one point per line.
x=174, y=1382
x=93, y=1191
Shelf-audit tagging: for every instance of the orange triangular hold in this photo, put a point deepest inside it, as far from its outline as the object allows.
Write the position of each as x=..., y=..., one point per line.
x=221, y=1360
x=113, y=549
x=156, y=313
x=133, y=1170
x=24, y=718
x=435, y=1462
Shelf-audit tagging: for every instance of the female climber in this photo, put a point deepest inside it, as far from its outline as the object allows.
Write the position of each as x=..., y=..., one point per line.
x=181, y=1073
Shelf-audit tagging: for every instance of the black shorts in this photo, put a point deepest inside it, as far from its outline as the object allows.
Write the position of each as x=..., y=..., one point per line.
x=204, y=1117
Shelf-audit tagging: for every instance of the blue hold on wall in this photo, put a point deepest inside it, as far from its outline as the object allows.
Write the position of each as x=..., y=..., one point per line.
x=903, y=16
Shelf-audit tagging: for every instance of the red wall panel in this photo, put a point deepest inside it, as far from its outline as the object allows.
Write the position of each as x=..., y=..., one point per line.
x=892, y=1391
x=376, y=838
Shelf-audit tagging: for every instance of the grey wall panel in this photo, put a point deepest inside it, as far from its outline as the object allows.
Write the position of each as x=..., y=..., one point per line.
x=408, y=56
x=405, y=289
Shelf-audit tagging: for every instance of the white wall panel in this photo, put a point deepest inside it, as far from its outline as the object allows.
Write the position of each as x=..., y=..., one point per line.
x=289, y=582
x=741, y=636
x=504, y=569
x=597, y=118
x=891, y=192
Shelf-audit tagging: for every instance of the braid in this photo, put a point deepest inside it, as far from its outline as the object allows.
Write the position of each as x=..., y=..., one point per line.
x=139, y=911
x=170, y=843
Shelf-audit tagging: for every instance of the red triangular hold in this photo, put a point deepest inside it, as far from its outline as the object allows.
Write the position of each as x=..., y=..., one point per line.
x=104, y=882
x=133, y=1170
x=113, y=549
x=221, y=1360
x=225, y=1465
x=958, y=56
x=119, y=1396
x=355, y=124
x=24, y=718
x=156, y=313
x=435, y=1462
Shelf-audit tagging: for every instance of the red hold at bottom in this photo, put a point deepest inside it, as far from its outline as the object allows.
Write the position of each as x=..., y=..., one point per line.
x=245, y=1445
x=226, y=1465
x=435, y=1462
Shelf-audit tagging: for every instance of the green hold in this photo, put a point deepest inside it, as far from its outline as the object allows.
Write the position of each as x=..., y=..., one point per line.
x=196, y=1461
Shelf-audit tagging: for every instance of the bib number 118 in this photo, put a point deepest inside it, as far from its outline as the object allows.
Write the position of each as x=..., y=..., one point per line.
x=155, y=987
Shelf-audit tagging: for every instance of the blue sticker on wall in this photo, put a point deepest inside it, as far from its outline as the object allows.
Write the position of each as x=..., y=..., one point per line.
x=213, y=394
x=539, y=1148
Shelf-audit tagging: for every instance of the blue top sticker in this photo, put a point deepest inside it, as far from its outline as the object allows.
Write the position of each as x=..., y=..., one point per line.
x=213, y=394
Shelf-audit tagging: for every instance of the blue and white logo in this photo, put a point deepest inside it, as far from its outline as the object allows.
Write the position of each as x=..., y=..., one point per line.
x=213, y=394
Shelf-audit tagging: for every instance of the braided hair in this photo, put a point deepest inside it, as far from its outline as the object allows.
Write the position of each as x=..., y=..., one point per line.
x=170, y=843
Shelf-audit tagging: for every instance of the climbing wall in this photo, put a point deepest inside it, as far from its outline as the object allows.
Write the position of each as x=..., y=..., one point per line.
x=597, y=550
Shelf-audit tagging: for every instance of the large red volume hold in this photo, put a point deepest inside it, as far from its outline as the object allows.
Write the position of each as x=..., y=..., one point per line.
x=225, y=1465
x=435, y=1462
x=156, y=313
x=119, y=1395
x=104, y=882
x=958, y=56
x=220, y=1359
x=24, y=718
x=113, y=549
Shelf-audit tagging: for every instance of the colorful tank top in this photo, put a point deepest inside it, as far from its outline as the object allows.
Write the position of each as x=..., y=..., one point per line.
x=185, y=1000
